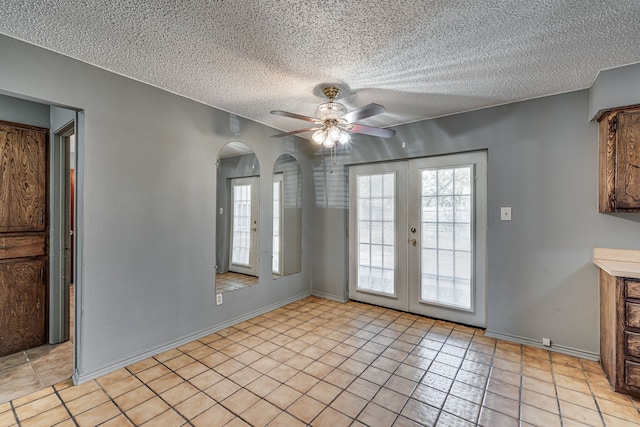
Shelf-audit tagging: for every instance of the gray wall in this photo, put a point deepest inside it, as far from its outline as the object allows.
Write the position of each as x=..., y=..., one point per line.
x=613, y=88
x=22, y=111
x=543, y=163
x=147, y=199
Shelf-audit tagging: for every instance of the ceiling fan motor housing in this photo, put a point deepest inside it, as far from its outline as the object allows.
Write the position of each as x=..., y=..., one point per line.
x=330, y=111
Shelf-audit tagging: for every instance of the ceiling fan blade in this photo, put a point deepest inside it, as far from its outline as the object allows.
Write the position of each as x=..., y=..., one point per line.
x=363, y=112
x=293, y=132
x=294, y=116
x=369, y=130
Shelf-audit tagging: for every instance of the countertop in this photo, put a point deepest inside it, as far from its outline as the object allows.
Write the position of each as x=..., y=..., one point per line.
x=618, y=262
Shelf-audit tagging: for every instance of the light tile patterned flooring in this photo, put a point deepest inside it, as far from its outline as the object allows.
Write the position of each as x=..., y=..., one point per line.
x=231, y=281
x=33, y=369
x=321, y=363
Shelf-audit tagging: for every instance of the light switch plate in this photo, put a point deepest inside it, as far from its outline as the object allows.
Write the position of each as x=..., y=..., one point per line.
x=505, y=214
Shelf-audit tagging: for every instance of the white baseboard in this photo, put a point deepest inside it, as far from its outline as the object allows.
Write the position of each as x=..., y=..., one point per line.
x=329, y=296
x=79, y=378
x=583, y=354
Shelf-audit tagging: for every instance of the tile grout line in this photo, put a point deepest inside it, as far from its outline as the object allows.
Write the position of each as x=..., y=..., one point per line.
x=15, y=413
x=64, y=405
x=152, y=391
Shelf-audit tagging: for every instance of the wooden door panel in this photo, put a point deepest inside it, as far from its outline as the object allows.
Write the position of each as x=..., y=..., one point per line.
x=22, y=246
x=23, y=303
x=23, y=179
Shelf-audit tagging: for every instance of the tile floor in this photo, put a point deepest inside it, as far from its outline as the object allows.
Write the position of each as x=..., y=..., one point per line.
x=321, y=363
x=230, y=281
x=31, y=370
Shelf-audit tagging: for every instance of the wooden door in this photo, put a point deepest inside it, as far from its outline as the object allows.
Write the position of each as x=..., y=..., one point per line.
x=23, y=237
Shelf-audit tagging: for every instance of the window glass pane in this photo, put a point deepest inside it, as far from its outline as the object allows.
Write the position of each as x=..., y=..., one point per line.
x=430, y=209
x=364, y=209
x=377, y=212
x=388, y=209
x=364, y=234
x=364, y=255
x=429, y=235
x=241, y=238
x=463, y=237
x=364, y=186
x=446, y=257
x=376, y=186
x=445, y=182
x=462, y=183
x=388, y=234
x=463, y=209
x=430, y=262
x=463, y=265
x=429, y=183
x=445, y=209
x=376, y=232
x=388, y=185
x=445, y=236
x=445, y=263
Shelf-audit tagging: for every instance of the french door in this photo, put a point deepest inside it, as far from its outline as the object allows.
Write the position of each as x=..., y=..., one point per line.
x=244, y=226
x=417, y=238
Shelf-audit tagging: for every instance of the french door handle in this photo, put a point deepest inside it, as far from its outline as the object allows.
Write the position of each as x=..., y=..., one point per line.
x=413, y=242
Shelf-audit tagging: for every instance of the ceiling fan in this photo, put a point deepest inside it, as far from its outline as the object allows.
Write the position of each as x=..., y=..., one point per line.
x=334, y=124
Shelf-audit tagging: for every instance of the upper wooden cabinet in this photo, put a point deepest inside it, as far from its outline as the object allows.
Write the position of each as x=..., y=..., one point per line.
x=619, y=176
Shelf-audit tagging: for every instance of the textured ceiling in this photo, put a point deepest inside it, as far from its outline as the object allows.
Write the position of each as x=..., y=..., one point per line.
x=420, y=59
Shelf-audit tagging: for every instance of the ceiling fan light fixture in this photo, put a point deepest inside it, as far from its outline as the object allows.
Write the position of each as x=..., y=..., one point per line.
x=318, y=136
x=335, y=122
x=334, y=133
x=328, y=143
x=344, y=138
x=330, y=111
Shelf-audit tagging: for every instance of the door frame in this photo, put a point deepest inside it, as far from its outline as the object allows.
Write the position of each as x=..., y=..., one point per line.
x=405, y=290
x=59, y=319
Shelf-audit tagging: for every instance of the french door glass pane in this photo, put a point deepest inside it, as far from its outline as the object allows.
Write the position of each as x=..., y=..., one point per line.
x=241, y=231
x=376, y=232
x=446, y=236
x=275, y=266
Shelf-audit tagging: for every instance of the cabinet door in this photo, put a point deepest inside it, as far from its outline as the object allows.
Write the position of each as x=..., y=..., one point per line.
x=23, y=169
x=23, y=305
x=628, y=161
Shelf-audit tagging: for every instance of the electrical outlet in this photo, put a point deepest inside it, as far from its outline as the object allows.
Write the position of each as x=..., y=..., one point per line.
x=218, y=299
x=546, y=342
x=505, y=214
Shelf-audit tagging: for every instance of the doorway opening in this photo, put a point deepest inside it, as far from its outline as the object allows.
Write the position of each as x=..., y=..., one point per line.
x=51, y=359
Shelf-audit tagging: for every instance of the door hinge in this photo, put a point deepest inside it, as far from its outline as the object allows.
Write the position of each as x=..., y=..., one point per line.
x=41, y=216
x=42, y=275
